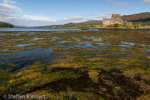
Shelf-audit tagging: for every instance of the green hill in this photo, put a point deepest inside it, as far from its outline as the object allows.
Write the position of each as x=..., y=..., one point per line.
x=138, y=19
x=5, y=25
x=145, y=16
x=87, y=24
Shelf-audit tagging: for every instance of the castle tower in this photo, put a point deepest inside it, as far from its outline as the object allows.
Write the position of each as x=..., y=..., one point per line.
x=116, y=19
x=106, y=22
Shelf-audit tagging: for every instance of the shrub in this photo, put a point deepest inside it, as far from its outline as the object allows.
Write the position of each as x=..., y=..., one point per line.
x=116, y=25
x=5, y=25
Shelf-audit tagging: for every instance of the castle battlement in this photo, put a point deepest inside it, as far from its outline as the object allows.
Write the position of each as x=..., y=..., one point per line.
x=107, y=19
x=116, y=15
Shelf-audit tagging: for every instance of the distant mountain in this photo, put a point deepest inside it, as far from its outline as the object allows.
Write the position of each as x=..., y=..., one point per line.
x=69, y=23
x=1, y=22
x=75, y=25
x=6, y=25
x=92, y=22
x=140, y=17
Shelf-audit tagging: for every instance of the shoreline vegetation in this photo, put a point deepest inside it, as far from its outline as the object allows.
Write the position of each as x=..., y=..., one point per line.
x=118, y=29
x=99, y=27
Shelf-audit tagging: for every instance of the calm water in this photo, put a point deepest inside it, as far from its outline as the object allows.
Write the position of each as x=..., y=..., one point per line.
x=57, y=29
x=35, y=29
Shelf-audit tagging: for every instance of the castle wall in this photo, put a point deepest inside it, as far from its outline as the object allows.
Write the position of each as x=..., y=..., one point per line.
x=115, y=19
x=106, y=22
x=129, y=24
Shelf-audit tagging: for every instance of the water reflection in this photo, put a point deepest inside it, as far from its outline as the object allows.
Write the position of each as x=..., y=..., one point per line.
x=23, y=58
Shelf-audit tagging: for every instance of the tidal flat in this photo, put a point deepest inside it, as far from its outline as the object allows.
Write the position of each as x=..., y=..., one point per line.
x=76, y=65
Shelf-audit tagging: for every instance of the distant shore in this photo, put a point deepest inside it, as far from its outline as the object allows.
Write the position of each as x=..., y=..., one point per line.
x=122, y=29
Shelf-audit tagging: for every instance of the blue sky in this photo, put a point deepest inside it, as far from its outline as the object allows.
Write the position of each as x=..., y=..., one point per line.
x=53, y=12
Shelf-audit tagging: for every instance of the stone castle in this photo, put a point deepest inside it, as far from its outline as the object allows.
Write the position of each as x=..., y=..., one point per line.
x=115, y=19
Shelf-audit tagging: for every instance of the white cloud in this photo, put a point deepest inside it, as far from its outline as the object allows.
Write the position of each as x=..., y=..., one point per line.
x=42, y=21
x=40, y=18
x=105, y=15
x=9, y=12
x=9, y=7
x=102, y=16
x=23, y=22
x=88, y=18
x=121, y=3
x=9, y=1
x=32, y=22
x=89, y=15
x=76, y=18
x=146, y=1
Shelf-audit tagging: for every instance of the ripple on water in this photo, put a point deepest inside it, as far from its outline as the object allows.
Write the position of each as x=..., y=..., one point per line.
x=126, y=44
x=24, y=45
